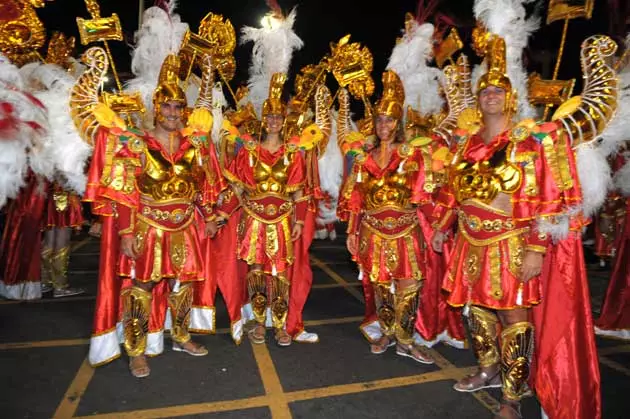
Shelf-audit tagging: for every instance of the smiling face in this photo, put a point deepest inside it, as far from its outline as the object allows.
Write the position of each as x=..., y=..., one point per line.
x=385, y=127
x=170, y=115
x=492, y=100
x=274, y=123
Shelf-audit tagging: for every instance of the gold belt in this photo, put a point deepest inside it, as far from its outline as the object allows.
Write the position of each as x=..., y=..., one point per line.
x=476, y=224
x=391, y=223
x=176, y=216
x=271, y=210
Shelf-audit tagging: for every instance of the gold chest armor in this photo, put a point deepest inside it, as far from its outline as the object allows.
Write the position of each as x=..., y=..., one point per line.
x=272, y=179
x=390, y=190
x=164, y=181
x=484, y=180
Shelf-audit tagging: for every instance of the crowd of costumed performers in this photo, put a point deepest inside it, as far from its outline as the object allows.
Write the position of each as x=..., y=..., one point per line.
x=464, y=200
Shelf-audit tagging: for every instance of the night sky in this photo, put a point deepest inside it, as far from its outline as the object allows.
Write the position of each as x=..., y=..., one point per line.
x=321, y=21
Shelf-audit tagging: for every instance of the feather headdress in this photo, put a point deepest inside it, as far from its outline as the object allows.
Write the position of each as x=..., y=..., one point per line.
x=508, y=19
x=274, y=44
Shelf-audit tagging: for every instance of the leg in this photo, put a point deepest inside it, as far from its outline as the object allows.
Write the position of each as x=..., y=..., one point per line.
x=279, y=308
x=47, y=275
x=483, y=329
x=136, y=304
x=61, y=258
x=386, y=317
x=406, y=308
x=517, y=347
x=257, y=290
x=180, y=304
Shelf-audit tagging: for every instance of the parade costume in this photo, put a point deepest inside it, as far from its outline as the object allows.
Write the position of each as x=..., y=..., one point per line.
x=381, y=205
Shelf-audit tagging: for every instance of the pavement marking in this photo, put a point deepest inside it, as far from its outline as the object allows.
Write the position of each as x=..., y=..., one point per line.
x=325, y=286
x=71, y=399
x=614, y=365
x=620, y=349
x=186, y=409
x=49, y=300
x=78, y=245
x=344, y=389
x=482, y=396
x=271, y=381
x=338, y=278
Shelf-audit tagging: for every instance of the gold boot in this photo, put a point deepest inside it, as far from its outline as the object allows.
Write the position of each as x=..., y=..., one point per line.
x=60, y=260
x=482, y=324
x=406, y=309
x=257, y=289
x=47, y=272
x=279, y=308
x=180, y=304
x=136, y=304
x=517, y=347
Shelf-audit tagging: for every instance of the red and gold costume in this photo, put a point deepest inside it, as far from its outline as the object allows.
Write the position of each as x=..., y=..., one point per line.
x=382, y=206
x=610, y=219
x=63, y=208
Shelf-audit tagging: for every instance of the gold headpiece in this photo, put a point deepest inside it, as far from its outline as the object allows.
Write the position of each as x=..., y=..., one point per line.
x=393, y=98
x=496, y=75
x=273, y=105
x=168, y=88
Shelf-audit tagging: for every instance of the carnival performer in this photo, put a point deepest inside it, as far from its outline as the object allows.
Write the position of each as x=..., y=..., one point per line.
x=614, y=319
x=380, y=200
x=63, y=213
x=162, y=183
x=268, y=177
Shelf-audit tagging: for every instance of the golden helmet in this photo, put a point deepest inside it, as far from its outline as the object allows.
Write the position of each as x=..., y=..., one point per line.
x=393, y=98
x=168, y=88
x=274, y=105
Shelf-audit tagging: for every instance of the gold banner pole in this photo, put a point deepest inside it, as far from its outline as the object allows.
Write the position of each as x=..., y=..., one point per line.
x=556, y=69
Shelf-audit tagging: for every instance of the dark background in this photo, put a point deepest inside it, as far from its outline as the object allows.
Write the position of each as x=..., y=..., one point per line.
x=321, y=21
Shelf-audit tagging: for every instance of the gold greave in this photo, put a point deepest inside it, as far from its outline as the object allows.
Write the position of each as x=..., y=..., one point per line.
x=385, y=308
x=47, y=273
x=483, y=330
x=517, y=346
x=279, y=301
x=257, y=289
x=406, y=307
x=60, y=261
x=136, y=304
x=180, y=303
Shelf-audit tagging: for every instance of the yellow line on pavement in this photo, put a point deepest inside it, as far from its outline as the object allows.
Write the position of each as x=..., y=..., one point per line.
x=77, y=246
x=334, y=275
x=271, y=381
x=337, y=285
x=185, y=409
x=71, y=399
x=49, y=300
x=615, y=365
x=43, y=344
x=619, y=349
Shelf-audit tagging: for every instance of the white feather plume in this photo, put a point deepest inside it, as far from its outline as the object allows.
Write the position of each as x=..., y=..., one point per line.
x=508, y=19
x=272, y=53
x=409, y=60
x=595, y=177
x=331, y=165
x=160, y=34
x=622, y=178
x=13, y=168
x=218, y=103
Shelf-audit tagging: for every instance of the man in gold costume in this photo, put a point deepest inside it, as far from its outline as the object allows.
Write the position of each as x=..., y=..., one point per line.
x=501, y=184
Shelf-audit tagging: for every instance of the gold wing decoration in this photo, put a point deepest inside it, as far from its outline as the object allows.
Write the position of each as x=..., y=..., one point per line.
x=21, y=31
x=201, y=117
x=460, y=98
x=585, y=116
x=84, y=96
x=323, y=102
x=60, y=48
x=306, y=84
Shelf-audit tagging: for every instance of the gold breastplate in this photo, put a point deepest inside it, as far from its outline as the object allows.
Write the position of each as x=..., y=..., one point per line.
x=272, y=178
x=389, y=190
x=484, y=180
x=163, y=180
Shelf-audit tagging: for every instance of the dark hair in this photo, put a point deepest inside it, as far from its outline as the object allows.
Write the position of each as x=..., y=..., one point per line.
x=399, y=135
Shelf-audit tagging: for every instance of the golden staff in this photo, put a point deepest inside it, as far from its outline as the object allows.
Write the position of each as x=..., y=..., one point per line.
x=565, y=10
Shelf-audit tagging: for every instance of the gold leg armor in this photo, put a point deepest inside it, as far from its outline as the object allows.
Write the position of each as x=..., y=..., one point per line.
x=406, y=307
x=483, y=330
x=180, y=303
x=136, y=312
x=517, y=346
x=257, y=289
x=60, y=268
x=385, y=308
x=47, y=273
x=279, y=301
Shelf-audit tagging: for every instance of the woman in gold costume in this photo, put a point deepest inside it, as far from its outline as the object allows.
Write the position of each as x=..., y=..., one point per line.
x=380, y=200
x=268, y=178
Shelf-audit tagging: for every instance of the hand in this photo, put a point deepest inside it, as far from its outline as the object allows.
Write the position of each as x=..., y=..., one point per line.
x=532, y=265
x=353, y=244
x=127, y=247
x=211, y=228
x=296, y=232
x=438, y=241
x=220, y=221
